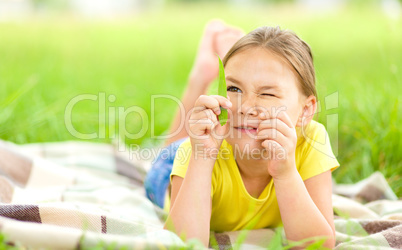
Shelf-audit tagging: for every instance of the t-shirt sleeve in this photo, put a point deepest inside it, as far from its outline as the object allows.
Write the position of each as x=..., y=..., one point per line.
x=316, y=153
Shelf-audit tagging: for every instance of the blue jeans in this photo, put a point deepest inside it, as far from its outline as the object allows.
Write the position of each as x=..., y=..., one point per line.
x=158, y=177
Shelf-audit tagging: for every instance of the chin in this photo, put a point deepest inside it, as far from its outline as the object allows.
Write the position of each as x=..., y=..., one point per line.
x=246, y=147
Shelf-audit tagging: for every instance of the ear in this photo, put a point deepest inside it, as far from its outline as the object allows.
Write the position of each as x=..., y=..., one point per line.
x=308, y=111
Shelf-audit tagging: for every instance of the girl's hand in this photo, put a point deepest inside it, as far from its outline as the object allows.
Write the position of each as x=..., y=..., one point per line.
x=205, y=132
x=279, y=140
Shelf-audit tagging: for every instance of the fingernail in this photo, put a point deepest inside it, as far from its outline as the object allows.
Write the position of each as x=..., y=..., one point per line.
x=229, y=104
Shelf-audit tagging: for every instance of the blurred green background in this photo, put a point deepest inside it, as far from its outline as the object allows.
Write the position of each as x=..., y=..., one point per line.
x=52, y=54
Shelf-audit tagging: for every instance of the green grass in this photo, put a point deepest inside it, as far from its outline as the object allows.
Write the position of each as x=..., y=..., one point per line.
x=45, y=62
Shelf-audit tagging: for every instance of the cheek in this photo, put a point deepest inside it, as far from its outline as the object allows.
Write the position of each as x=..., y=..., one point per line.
x=235, y=103
x=270, y=105
x=233, y=97
x=294, y=115
x=293, y=110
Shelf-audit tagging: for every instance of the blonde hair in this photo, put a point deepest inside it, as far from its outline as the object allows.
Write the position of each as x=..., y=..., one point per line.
x=287, y=45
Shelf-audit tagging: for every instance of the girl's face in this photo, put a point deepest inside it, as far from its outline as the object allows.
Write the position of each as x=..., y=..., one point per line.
x=259, y=80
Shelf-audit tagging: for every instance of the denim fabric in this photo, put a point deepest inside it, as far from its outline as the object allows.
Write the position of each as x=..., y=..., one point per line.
x=158, y=177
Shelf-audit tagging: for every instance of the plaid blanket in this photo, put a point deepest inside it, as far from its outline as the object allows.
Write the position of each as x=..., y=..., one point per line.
x=70, y=195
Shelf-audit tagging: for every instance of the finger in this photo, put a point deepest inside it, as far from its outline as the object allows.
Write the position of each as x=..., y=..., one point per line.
x=264, y=113
x=274, y=123
x=211, y=115
x=220, y=132
x=272, y=150
x=223, y=101
x=213, y=102
x=270, y=144
x=272, y=134
x=283, y=116
x=280, y=113
x=200, y=126
x=206, y=113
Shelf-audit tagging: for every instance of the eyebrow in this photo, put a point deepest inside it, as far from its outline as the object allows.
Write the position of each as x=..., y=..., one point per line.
x=264, y=87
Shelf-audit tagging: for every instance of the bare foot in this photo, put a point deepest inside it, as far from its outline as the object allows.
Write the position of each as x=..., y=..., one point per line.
x=218, y=38
x=226, y=39
x=204, y=68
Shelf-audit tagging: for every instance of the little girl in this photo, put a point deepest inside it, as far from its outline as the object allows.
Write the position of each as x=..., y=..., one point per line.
x=270, y=165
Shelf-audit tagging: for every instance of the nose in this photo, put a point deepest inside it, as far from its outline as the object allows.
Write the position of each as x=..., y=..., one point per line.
x=248, y=106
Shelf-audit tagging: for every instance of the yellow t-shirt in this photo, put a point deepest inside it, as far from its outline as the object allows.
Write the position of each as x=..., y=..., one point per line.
x=233, y=208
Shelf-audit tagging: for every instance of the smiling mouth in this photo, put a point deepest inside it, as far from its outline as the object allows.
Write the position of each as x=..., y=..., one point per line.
x=246, y=129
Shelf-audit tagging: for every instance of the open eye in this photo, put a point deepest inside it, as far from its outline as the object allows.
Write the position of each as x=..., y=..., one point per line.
x=233, y=89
